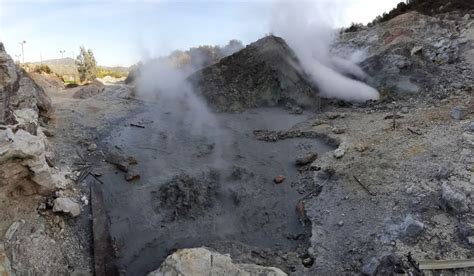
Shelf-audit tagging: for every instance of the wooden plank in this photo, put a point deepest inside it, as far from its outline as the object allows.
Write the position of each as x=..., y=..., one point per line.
x=104, y=260
x=445, y=264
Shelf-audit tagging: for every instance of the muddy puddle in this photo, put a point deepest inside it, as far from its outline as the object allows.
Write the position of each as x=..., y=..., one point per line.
x=203, y=185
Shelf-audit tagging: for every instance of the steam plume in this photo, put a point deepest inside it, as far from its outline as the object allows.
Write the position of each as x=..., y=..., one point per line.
x=309, y=34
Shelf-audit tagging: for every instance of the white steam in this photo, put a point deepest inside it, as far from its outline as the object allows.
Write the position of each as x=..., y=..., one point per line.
x=161, y=82
x=309, y=34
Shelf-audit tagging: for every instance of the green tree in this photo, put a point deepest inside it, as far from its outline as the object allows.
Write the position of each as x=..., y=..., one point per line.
x=86, y=65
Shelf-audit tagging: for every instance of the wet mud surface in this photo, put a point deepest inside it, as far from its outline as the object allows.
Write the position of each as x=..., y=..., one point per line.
x=208, y=183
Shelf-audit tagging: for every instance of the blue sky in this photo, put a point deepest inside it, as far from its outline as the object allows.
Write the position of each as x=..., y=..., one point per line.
x=122, y=32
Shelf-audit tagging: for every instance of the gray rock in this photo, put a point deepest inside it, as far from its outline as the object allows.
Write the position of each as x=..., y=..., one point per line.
x=66, y=205
x=444, y=171
x=337, y=130
x=92, y=147
x=465, y=231
x=416, y=50
x=370, y=267
x=411, y=228
x=404, y=110
x=306, y=158
x=132, y=174
x=23, y=159
x=197, y=261
x=471, y=127
x=12, y=230
x=453, y=200
x=470, y=240
x=458, y=112
x=339, y=153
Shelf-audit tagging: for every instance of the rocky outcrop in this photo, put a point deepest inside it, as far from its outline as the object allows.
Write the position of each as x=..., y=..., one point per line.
x=265, y=73
x=205, y=261
x=417, y=55
x=19, y=91
x=24, y=169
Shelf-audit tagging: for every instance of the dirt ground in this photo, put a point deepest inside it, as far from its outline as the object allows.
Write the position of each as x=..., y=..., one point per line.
x=353, y=223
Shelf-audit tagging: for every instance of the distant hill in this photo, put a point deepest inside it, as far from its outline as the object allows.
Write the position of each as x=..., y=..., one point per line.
x=66, y=68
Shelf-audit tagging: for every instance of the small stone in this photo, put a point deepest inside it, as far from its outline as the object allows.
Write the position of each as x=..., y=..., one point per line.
x=66, y=205
x=123, y=166
x=308, y=262
x=458, y=113
x=415, y=50
x=12, y=230
x=84, y=200
x=471, y=127
x=338, y=130
x=279, y=179
x=404, y=110
x=48, y=132
x=118, y=161
x=370, y=267
x=97, y=173
x=454, y=200
x=340, y=223
x=444, y=171
x=132, y=175
x=466, y=17
x=306, y=158
x=132, y=161
x=339, y=153
x=470, y=240
x=360, y=148
x=411, y=227
x=92, y=147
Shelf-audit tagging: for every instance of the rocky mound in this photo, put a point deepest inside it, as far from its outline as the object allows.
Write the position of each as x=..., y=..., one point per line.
x=89, y=90
x=24, y=168
x=418, y=55
x=265, y=73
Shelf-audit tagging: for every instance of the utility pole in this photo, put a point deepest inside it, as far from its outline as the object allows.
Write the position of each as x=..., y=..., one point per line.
x=62, y=53
x=23, y=50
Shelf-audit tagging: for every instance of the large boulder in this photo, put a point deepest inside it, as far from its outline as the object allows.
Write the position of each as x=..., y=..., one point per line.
x=265, y=73
x=204, y=261
x=24, y=169
x=19, y=91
